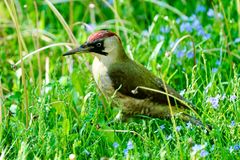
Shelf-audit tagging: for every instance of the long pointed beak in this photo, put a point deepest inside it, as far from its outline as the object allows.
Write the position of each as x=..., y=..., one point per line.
x=81, y=49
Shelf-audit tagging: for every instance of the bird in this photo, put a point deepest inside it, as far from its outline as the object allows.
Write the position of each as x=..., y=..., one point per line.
x=133, y=88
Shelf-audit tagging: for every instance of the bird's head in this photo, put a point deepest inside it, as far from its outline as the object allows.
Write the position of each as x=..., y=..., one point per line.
x=103, y=44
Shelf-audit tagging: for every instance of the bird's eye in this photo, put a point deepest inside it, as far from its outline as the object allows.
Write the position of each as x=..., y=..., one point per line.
x=99, y=44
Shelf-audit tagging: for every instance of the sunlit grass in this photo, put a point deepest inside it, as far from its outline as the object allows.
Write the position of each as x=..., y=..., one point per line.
x=193, y=46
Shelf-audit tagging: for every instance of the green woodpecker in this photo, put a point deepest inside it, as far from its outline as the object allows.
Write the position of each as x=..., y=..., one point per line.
x=136, y=90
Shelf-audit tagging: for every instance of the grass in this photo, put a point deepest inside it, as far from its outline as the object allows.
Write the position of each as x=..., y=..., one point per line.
x=51, y=108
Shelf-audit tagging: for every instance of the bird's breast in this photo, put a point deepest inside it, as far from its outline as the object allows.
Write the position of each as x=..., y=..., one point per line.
x=101, y=77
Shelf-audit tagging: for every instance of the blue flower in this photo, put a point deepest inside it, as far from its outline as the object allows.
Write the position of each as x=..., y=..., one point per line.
x=196, y=24
x=129, y=145
x=190, y=55
x=110, y=1
x=178, y=20
x=212, y=148
x=236, y=147
x=186, y=26
x=203, y=153
x=201, y=32
x=232, y=123
x=189, y=125
x=219, y=15
x=210, y=12
x=218, y=62
x=214, y=70
x=178, y=128
x=193, y=17
x=200, y=8
x=214, y=101
x=165, y=29
x=169, y=137
x=160, y=37
x=145, y=33
x=206, y=36
x=237, y=40
x=162, y=127
x=196, y=148
x=233, y=98
x=115, y=145
x=223, y=96
x=180, y=54
x=125, y=152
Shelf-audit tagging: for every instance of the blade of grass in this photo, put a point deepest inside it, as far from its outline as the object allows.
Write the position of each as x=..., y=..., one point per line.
x=41, y=49
x=1, y=109
x=11, y=10
x=37, y=47
x=62, y=21
x=238, y=11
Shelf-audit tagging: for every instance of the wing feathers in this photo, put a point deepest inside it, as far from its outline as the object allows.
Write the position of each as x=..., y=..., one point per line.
x=131, y=75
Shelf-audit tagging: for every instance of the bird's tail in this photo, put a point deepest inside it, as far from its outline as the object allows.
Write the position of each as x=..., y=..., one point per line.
x=187, y=118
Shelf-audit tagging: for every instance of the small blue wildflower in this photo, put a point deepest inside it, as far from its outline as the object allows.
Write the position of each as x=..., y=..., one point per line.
x=162, y=127
x=196, y=148
x=110, y=2
x=212, y=148
x=218, y=62
x=193, y=17
x=129, y=145
x=115, y=145
x=186, y=26
x=145, y=33
x=214, y=101
x=160, y=37
x=237, y=40
x=201, y=32
x=169, y=137
x=203, y=153
x=236, y=147
x=196, y=24
x=206, y=36
x=223, y=96
x=189, y=125
x=232, y=123
x=219, y=15
x=178, y=128
x=125, y=152
x=200, y=8
x=165, y=29
x=233, y=98
x=178, y=20
x=180, y=54
x=214, y=70
x=190, y=55
x=179, y=63
x=210, y=12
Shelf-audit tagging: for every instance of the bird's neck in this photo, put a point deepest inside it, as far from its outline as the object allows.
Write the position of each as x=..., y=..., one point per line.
x=115, y=56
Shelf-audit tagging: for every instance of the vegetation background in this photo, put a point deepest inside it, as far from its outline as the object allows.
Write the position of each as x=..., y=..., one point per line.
x=50, y=107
